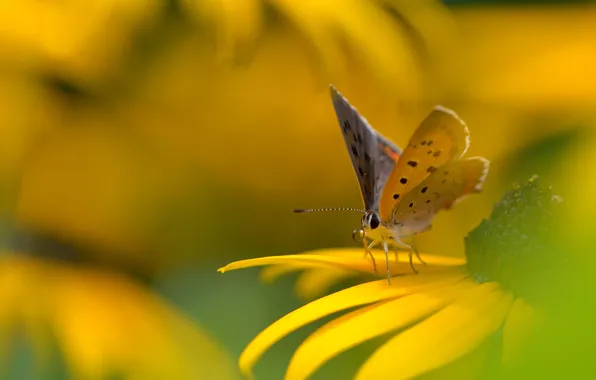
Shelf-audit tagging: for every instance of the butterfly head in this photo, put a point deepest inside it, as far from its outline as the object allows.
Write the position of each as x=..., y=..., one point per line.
x=371, y=221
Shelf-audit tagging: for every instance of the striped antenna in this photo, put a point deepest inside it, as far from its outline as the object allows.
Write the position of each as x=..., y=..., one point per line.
x=302, y=211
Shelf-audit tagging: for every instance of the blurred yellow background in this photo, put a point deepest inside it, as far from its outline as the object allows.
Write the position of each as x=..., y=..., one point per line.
x=157, y=140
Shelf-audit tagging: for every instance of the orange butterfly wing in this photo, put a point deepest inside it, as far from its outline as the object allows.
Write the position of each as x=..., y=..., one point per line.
x=440, y=191
x=441, y=138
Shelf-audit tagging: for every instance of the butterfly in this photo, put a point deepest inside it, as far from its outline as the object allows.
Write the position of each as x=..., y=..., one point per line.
x=402, y=191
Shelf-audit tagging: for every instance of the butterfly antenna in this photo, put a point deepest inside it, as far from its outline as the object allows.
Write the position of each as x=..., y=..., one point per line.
x=302, y=210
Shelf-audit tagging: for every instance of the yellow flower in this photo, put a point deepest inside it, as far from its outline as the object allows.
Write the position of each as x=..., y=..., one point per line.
x=77, y=39
x=102, y=323
x=368, y=30
x=442, y=314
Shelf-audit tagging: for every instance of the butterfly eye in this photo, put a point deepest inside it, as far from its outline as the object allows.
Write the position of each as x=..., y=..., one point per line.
x=358, y=235
x=374, y=222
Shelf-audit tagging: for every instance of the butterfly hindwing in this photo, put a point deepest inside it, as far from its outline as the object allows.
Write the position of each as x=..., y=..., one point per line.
x=441, y=138
x=440, y=191
x=373, y=156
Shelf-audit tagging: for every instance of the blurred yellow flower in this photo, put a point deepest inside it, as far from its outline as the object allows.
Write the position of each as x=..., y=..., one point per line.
x=76, y=39
x=442, y=314
x=101, y=190
x=103, y=323
x=116, y=168
x=533, y=57
x=266, y=122
x=374, y=33
x=298, y=49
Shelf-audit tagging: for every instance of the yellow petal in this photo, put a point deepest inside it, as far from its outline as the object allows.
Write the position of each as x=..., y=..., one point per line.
x=361, y=325
x=379, y=254
x=321, y=22
x=314, y=282
x=507, y=63
x=270, y=274
x=358, y=295
x=353, y=259
x=105, y=323
x=520, y=326
x=437, y=40
x=237, y=23
x=20, y=314
x=443, y=337
x=104, y=32
x=309, y=19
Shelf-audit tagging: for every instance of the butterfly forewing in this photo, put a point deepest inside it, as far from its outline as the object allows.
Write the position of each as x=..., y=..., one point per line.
x=373, y=156
x=441, y=138
x=440, y=191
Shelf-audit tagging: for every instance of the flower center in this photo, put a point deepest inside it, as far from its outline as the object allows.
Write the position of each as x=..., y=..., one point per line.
x=514, y=245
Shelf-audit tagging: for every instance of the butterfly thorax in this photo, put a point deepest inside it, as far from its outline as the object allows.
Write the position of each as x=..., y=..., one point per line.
x=374, y=229
x=407, y=228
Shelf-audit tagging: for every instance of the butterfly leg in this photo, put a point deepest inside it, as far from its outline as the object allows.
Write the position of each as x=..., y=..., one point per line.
x=368, y=252
x=386, y=249
x=418, y=256
x=410, y=255
x=416, y=247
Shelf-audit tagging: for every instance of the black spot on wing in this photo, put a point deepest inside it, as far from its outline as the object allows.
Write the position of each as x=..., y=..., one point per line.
x=347, y=126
